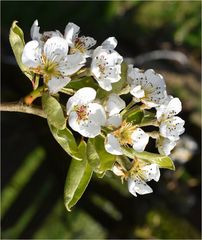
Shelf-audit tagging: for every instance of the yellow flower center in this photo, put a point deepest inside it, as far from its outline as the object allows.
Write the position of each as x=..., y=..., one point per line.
x=79, y=46
x=124, y=133
x=82, y=113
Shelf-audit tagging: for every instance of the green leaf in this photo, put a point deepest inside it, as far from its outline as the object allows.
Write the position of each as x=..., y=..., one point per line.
x=78, y=177
x=67, y=141
x=93, y=157
x=135, y=117
x=54, y=111
x=82, y=82
x=16, y=38
x=161, y=160
x=98, y=157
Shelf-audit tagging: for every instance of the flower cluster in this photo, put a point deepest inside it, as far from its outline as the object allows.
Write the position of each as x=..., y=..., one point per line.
x=103, y=109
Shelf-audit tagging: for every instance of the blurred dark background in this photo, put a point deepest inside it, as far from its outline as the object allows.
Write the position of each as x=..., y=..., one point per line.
x=164, y=35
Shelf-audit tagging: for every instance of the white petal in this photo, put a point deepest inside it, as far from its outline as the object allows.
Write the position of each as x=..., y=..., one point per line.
x=31, y=55
x=117, y=171
x=151, y=172
x=71, y=32
x=34, y=32
x=140, y=139
x=114, y=120
x=138, y=186
x=88, y=41
x=165, y=146
x=137, y=91
x=110, y=43
x=105, y=84
x=50, y=34
x=89, y=129
x=114, y=104
x=55, y=49
x=73, y=121
x=55, y=84
x=172, y=128
x=169, y=109
x=97, y=114
x=82, y=97
x=112, y=145
x=71, y=64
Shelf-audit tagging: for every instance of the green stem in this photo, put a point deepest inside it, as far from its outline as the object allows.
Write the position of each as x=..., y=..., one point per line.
x=67, y=91
x=33, y=95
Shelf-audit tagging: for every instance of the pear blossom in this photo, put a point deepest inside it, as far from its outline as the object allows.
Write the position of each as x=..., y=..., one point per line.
x=169, y=108
x=78, y=44
x=171, y=128
x=141, y=175
x=84, y=114
x=106, y=64
x=147, y=87
x=52, y=61
x=126, y=134
x=165, y=145
x=138, y=175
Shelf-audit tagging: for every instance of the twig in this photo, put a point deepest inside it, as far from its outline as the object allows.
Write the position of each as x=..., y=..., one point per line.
x=20, y=107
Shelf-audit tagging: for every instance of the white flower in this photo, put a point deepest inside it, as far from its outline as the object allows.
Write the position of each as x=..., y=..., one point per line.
x=78, y=44
x=171, y=128
x=141, y=175
x=52, y=61
x=169, y=108
x=165, y=145
x=127, y=134
x=42, y=38
x=147, y=87
x=85, y=116
x=106, y=64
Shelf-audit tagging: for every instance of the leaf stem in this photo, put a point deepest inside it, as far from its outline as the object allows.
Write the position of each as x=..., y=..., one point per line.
x=20, y=107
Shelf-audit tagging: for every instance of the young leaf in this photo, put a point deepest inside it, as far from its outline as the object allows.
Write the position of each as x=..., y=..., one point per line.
x=53, y=110
x=161, y=160
x=67, y=141
x=98, y=157
x=17, y=42
x=78, y=177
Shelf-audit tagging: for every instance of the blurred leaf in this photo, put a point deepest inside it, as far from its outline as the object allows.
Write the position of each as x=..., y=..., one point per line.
x=54, y=111
x=17, y=42
x=67, y=141
x=161, y=160
x=98, y=157
x=77, y=180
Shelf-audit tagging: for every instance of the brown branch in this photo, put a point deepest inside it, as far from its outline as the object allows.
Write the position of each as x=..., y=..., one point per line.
x=20, y=107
